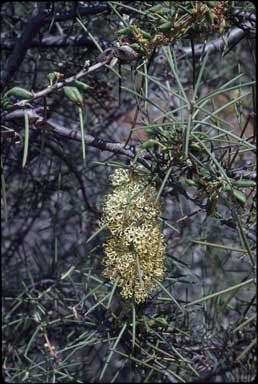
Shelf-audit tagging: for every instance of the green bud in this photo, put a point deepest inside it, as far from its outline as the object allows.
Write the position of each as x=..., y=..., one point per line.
x=195, y=146
x=51, y=76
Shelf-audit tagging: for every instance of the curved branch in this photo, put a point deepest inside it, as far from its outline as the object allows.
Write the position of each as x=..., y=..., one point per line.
x=44, y=92
x=234, y=36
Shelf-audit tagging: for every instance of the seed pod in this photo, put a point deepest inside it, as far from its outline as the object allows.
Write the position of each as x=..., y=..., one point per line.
x=80, y=85
x=145, y=34
x=125, y=54
x=105, y=55
x=73, y=94
x=125, y=31
x=20, y=93
x=239, y=196
x=244, y=183
x=149, y=143
x=165, y=26
x=227, y=188
x=136, y=47
x=190, y=182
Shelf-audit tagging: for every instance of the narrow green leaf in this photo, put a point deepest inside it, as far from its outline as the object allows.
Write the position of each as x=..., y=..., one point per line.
x=171, y=297
x=37, y=330
x=113, y=291
x=112, y=351
x=88, y=32
x=223, y=291
x=247, y=349
x=26, y=138
x=221, y=246
x=97, y=304
x=96, y=233
x=187, y=133
x=197, y=85
x=67, y=273
x=82, y=135
x=162, y=370
x=3, y=189
x=243, y=235
x=133, y=325
x=168, y=54
x=225, y=131
x=138, y=267
x=244, y=323
x=163, y=184
x=145, y=86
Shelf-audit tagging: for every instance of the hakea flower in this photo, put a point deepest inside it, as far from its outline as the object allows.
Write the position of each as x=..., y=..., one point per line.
x=135, y=251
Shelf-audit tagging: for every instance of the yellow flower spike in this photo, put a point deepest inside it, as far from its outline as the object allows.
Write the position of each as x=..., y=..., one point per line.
x=135, y=251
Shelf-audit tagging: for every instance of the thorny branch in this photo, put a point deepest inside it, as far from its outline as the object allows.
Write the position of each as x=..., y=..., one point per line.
x=59, y=85
x=52, y=126
x=234, y=36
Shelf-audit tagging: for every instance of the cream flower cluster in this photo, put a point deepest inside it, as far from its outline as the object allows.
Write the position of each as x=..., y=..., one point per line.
x=136, y=248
